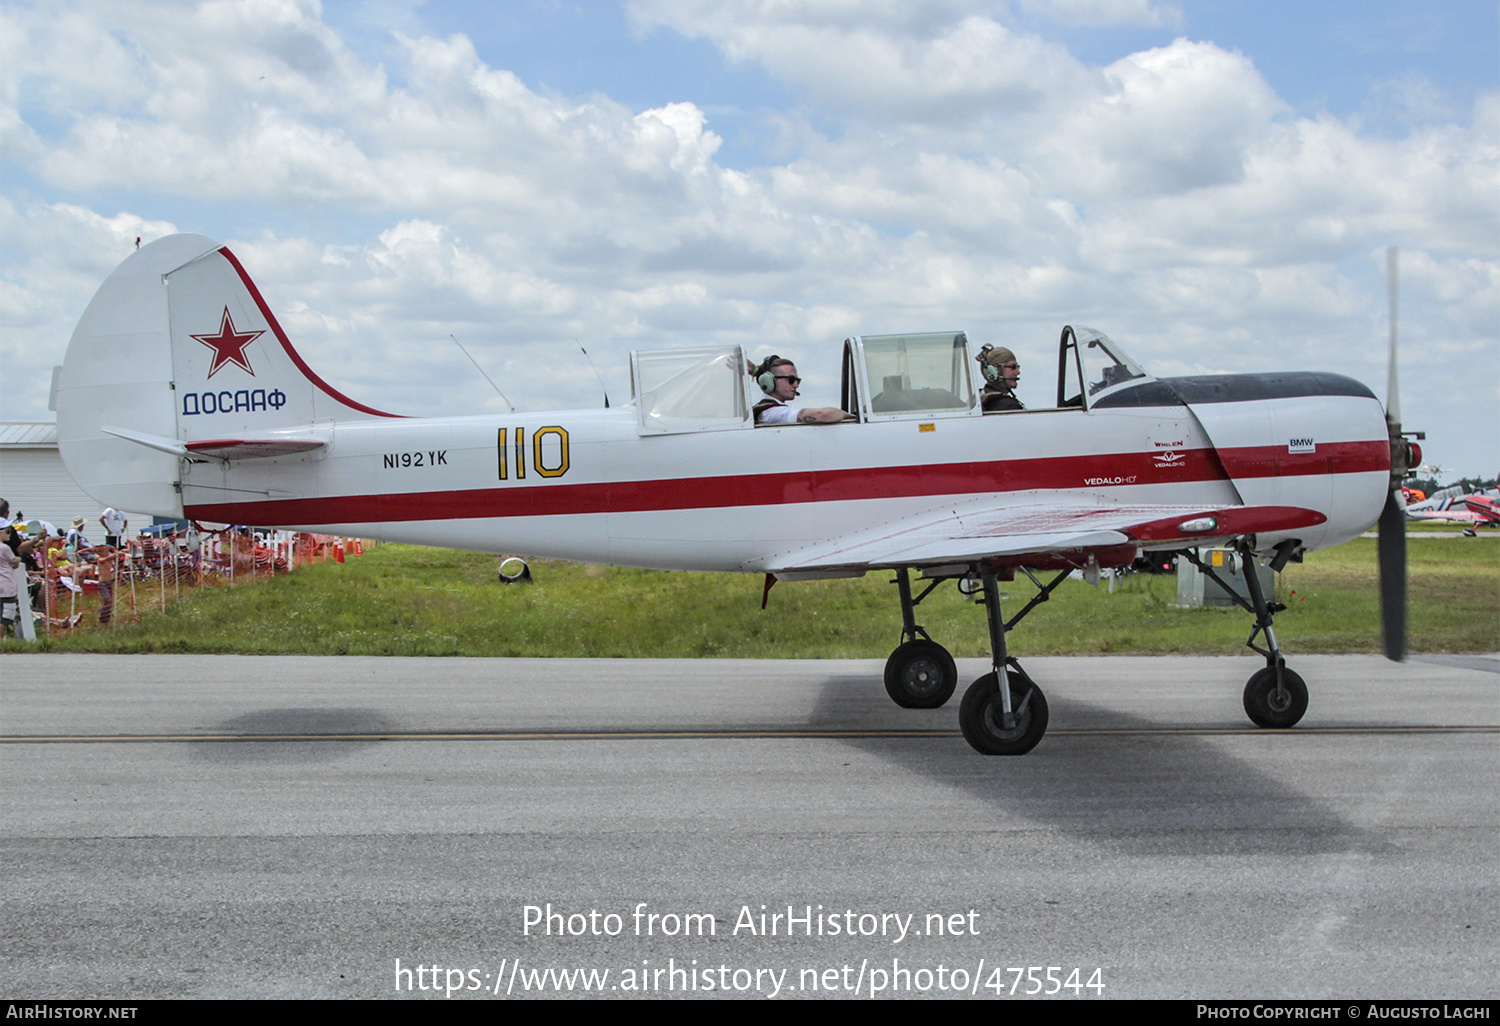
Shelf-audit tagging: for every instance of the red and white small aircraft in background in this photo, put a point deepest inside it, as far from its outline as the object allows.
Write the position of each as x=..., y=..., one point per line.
x=180, y=395
x=1478, y=509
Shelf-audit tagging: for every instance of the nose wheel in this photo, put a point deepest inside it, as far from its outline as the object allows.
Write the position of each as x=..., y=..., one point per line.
x=1275, y=707
x=1275, y=697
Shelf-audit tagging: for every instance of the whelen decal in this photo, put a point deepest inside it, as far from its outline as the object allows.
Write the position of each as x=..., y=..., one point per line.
x=547, y=499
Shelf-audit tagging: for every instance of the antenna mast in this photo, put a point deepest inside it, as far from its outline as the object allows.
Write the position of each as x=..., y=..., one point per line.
x=480, y=369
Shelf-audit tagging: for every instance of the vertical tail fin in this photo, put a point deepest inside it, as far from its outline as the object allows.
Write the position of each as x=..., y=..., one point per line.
x=178, y=349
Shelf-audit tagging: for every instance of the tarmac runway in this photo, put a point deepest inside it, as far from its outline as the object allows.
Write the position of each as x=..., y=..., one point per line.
x=188, y=826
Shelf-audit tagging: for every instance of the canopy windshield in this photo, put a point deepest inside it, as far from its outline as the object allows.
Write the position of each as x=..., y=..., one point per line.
x=923, y=373
x=679, y=390
x=1090, y=364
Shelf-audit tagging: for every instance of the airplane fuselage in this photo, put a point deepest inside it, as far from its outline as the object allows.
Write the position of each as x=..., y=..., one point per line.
x=182, y=395
x=584, y=485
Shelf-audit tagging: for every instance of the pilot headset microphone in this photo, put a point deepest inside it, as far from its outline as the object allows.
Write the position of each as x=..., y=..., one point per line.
x=990, y=359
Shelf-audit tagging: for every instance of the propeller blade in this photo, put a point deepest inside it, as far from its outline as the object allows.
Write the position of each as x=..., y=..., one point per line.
x=1392, y=389
x=1392, y=551
x=1392, y=542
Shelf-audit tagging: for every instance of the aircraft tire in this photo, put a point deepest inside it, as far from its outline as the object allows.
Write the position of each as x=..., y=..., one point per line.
x=979, y=716
x=920, y=675
x=1261, y=703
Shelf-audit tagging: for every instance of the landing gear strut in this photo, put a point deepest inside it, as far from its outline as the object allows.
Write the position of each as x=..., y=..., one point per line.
x=920, y=674
x=1275, y=697
x=1009, y=720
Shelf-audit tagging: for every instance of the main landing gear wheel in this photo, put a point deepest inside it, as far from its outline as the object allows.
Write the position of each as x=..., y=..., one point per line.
x=1266, y=708
x=920, y=675
x=983, y=721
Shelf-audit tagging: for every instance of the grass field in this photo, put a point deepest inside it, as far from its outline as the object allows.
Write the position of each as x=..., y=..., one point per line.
x=401, y=600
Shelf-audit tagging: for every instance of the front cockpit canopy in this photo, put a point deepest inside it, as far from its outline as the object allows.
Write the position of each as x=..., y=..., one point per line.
x=1090, y=365
x=682, y=390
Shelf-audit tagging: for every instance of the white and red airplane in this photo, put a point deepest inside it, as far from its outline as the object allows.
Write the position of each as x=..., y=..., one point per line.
x=182, y=396
x=1479, y=510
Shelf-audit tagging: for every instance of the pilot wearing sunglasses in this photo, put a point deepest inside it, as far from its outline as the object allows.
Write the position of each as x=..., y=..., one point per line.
x=778, y=378
x=1002, y=373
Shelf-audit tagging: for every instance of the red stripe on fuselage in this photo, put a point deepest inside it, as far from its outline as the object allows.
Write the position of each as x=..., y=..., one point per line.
x=1336, y=458
x=547, y=499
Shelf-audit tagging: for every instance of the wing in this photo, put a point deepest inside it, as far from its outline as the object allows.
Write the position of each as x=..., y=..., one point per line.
x=1455, y=515
x=965, y=534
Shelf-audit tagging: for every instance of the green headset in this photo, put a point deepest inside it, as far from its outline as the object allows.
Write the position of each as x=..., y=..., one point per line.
x=991, y=371
x=763, y=376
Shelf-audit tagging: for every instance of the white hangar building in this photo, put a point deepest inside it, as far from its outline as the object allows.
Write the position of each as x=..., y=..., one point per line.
x=39, y=487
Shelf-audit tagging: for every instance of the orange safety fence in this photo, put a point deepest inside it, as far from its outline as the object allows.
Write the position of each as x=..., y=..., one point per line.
x=100, y=585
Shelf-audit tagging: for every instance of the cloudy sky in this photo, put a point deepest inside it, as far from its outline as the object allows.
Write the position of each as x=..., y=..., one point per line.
x=1213, y=183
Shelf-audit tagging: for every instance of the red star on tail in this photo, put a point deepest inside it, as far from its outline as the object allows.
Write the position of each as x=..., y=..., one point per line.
x=229, y=345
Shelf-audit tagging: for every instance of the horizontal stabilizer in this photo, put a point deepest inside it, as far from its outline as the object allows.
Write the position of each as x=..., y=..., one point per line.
x=252, y=448
x=219, y=448
x=161, y=443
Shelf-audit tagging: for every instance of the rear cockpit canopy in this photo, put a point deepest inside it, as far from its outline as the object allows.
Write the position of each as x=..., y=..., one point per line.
x=897, y=377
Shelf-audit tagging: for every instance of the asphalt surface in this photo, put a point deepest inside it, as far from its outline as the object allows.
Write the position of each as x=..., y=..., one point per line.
x=179, y=826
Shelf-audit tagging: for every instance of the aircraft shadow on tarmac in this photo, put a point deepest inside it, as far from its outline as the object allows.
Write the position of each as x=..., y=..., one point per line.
x=1143, y=790
x=1146, y=793
x=294, y=723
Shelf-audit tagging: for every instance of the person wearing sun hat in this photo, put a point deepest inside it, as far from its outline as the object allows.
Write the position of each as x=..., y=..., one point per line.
x=75, y=539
